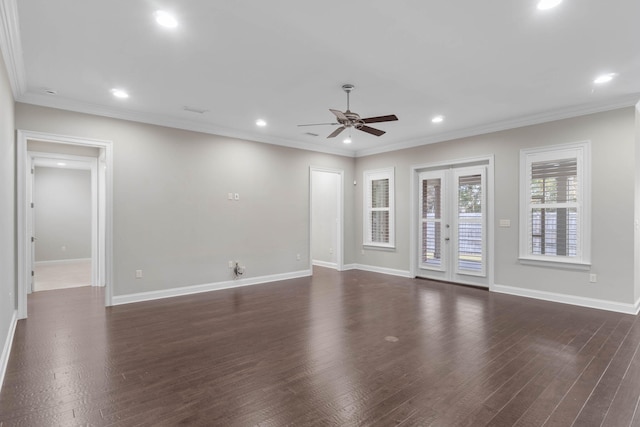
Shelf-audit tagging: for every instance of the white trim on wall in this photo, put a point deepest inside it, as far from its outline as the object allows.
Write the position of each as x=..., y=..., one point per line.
x=6, y=348
x=61, y=261
x=207, y=287
x=23, y=237
x=381, y=270
x=600, y=304
x=326, y=264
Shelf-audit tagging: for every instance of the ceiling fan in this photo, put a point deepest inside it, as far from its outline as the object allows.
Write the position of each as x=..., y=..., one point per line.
x=349, y=119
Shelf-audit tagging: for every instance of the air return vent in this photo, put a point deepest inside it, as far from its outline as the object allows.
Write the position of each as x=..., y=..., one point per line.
x=194, y=110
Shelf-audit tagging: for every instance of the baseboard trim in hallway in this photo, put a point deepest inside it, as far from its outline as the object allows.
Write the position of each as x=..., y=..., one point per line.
x=6, y=349
x=207, y=287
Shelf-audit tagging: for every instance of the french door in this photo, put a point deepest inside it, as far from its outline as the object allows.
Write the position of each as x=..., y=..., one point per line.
x=453, y=225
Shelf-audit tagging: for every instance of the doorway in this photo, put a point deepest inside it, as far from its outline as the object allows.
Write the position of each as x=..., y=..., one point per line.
x=66, y=244
x=101, y=200
x=453, y=234
x=326, y=213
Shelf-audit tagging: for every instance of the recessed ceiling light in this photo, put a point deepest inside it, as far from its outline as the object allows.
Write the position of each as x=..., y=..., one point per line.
x=61, y=164
x=165, y=19
x=437, y=119
x=347, y=140
x=548, y=4
x=119, y=93
x=604, y=78
x=261, y=123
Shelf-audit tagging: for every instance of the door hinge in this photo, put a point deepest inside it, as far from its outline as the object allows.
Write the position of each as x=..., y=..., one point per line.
x=32, y=171
x=32, y=273
x=31, y=204
x=33, y=239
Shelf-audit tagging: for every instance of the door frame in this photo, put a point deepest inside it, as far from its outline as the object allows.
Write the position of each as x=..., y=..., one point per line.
x=340, y=213
x=414, y=186
x=23, y=206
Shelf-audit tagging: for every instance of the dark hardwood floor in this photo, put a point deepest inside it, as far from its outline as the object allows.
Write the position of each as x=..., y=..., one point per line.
x=344, y=349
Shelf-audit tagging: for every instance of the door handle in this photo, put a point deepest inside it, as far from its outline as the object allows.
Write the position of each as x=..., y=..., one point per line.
x=446, y=239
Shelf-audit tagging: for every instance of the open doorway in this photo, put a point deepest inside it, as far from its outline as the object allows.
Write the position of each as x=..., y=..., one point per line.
x=54, y=160
x=327, y=218
x=65, y=220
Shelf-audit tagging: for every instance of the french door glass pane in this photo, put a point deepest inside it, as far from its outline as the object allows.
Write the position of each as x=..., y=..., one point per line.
x=431, y=244
x=431, y=225
x=470, y=238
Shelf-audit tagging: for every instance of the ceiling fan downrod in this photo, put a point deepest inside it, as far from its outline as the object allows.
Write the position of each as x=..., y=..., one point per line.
x=348, y=88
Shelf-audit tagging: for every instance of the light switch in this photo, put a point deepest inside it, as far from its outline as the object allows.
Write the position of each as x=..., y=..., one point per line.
x=505, y=223
x=230, y=196
x=236, y=196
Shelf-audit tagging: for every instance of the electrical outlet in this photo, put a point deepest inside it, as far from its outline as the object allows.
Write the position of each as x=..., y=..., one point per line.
x=593, y=278
x=298, y=257
x=230, y=264
x=138, y=274
x=236, y=196
x=331, y=250
x=230, y=196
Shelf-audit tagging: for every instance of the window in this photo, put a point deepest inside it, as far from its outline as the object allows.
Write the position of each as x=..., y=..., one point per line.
x=379, y=208
x=554, y=204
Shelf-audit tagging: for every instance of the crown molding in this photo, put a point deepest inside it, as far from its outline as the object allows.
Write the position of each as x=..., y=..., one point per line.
x=533, y=119
x=167, y=121
x=172, y=122
x=11, y=47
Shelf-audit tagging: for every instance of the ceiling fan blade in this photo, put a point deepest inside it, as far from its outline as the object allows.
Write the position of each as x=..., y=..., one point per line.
x=389, y=118
x=320, y=124
x=372, y=131
x=336, y=132
x=339, y=114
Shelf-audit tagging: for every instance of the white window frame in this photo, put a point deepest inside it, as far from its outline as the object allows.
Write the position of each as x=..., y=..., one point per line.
x=369, y=177
x=582, y=152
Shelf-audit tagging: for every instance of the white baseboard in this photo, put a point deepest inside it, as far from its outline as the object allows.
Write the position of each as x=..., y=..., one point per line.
x=619, y=307
x=207, y=287
x=325, y=264
x=62, y=261
x=382, y=270
x=6, y=349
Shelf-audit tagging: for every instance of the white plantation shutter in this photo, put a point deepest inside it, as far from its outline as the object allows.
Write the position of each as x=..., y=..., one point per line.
x=555, y=204
x=378, y=219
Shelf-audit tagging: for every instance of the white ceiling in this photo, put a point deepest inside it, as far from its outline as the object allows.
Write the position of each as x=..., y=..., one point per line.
x=483, y=65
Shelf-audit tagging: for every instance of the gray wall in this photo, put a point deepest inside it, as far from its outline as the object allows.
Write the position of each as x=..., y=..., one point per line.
x=613, y=177
x=172, y=218
x=324, y=193
x=7, y=207
x=62, y=200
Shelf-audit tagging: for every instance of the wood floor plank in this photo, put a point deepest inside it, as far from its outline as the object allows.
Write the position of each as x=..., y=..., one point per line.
x=340, y=348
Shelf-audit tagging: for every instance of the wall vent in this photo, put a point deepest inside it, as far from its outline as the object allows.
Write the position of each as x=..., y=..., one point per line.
x=194, y=110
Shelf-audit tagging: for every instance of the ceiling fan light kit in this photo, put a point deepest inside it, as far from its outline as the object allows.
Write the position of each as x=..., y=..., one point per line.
x=349, y=119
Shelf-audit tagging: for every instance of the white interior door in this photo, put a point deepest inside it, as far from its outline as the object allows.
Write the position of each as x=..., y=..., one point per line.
x=453, y=225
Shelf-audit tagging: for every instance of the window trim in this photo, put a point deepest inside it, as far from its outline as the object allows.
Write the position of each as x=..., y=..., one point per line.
x=368, y=177
x=582, y=152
